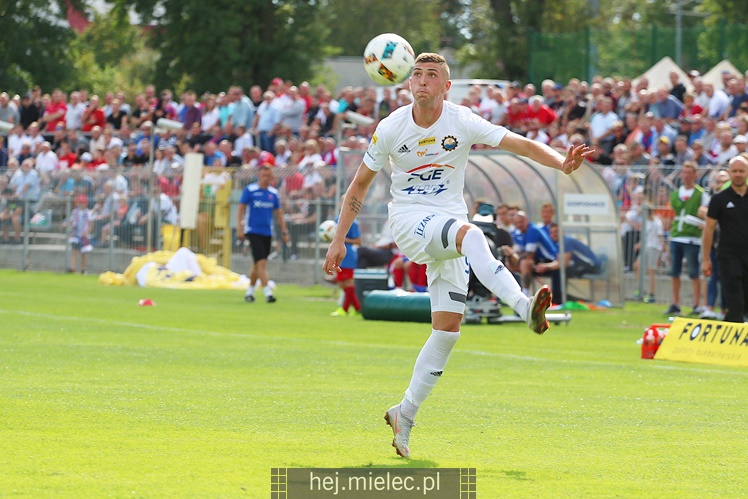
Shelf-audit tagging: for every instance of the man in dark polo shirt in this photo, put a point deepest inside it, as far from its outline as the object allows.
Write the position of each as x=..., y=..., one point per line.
x=729, y=208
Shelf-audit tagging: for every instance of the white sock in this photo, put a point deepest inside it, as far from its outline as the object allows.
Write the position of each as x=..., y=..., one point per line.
x=492, y=272
x=341, y=298
x=428, y=369
x=268, y=291
x=250, y=291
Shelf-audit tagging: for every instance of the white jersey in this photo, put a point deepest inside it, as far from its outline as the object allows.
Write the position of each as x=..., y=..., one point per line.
x=428, y=165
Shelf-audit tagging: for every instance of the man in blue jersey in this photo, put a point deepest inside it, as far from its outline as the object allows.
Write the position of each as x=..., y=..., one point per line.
x=256, y=224
x=532, y=245
x=578, y=258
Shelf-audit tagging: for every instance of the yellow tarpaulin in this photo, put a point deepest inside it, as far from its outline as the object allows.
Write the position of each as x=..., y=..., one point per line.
x=177, y=270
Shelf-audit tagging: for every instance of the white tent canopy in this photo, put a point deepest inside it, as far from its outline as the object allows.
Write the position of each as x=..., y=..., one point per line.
x=714, y=75
x=659, y=74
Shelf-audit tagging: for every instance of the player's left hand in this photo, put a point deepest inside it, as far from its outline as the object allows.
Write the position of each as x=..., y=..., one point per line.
x=574, y=157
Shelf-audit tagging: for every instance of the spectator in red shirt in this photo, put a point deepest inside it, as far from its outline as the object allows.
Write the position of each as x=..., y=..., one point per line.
x=54, y=113
x=93, y=115
x=690, y=108
x=293, y=184
x=517, y=114
x=537, y=110
x=66, y=156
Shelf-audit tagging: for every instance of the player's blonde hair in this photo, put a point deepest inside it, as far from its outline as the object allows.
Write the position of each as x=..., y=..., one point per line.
x=435, y=59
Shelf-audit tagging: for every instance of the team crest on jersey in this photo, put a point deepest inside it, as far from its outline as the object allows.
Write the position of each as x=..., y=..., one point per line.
x=449, y=143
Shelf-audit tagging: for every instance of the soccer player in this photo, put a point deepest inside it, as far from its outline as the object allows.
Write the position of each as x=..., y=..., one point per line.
x=428, y=217
x=257, y=226
x=351, y=304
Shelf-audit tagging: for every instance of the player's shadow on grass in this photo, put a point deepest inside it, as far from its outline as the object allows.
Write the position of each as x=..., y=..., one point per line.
x=515, y=475
x=401, y=463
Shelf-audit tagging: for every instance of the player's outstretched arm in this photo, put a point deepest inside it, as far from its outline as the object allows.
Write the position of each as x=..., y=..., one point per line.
x=352, y=204
x=545, y=155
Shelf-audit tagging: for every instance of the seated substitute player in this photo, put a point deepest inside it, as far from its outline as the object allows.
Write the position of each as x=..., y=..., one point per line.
x=533, y=245
x=428, y=217
x=579, y=259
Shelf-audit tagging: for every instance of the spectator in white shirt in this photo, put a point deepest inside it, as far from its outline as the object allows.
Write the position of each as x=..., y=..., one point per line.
x=210, y=112
x=15, y=139
x=74, y=113
x=282, y=153
x=727, y=149
x=244, y=139
x=601, y=124
x=46, y=161
x=266, y=119
x=718, y=101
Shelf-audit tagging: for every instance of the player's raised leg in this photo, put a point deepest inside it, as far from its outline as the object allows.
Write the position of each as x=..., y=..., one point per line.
x=470, y=241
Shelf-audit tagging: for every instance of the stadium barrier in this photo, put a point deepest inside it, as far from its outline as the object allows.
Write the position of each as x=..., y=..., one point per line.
x=122, y=235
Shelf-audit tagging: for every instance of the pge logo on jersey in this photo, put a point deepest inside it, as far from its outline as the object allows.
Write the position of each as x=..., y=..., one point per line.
x=427, y=173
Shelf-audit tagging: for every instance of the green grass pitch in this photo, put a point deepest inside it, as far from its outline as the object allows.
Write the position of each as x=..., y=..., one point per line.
x=202, y=394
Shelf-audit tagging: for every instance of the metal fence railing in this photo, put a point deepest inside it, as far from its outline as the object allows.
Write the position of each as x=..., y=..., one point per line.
x=40, y=234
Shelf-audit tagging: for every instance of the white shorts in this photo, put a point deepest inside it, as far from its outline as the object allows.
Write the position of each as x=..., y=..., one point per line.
x=651, y=257
x=428, y=238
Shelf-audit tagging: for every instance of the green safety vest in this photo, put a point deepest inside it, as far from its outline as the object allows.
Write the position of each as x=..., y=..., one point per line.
x=680, y=227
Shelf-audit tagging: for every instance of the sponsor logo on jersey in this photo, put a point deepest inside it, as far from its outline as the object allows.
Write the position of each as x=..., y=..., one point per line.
x=426, y=153
x=427, y=141
x=427, y=173
x=422, y=224
x=403, y=149
x=374, y=138
x=449, y=143
x=431, y=171
x=259, y=203
x=425, y=189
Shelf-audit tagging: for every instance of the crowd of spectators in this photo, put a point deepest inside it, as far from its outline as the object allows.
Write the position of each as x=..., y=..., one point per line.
x=68, y=144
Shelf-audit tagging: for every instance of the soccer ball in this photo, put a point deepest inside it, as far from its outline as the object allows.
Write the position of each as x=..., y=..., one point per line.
x=326, y=230
x=389, y=59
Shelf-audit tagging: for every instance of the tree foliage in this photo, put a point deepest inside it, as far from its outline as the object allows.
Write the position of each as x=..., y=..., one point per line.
x=733, y=10
x=33, y=45
x=111, y=55
x=358, y=21
x=212, y=45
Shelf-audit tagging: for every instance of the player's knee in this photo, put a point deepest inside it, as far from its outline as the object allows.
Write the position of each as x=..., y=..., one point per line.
x=463, y=231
